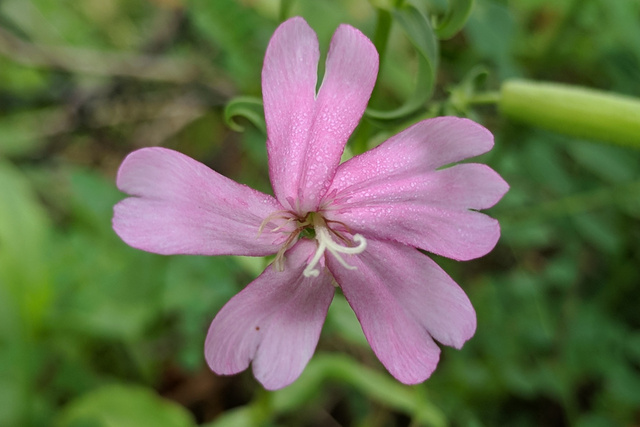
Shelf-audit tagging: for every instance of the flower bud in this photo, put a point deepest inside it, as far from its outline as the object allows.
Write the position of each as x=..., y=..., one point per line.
x=575, y=111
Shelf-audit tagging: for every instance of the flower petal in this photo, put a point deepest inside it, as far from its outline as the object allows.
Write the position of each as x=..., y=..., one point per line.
x=306, y=136
x=289, y=77
x=395, y=192
x=183, y=207
x=403, y=299
x=275, y=321
x=351, y=71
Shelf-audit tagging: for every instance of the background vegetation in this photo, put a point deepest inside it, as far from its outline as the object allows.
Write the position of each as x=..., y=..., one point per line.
x=94, y=333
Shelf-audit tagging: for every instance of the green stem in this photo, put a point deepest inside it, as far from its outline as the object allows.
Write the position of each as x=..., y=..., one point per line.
x=381, y=36
x=380, y=39
x=285, y=7
x=485, y=98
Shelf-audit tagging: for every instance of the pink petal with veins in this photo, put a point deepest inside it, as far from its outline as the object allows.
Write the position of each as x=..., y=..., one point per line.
x=275, y=321
x=180, y=206
x=395, y=191
x=306, y=136
x=403, y=299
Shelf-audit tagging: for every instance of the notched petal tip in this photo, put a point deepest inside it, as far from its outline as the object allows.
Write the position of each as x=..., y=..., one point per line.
x=457, y=138
x=491, y=186
x=352, y=67
x=136, y=164
x=358, y=44
x=404, y=301
x=274, y=323
x=306, y=130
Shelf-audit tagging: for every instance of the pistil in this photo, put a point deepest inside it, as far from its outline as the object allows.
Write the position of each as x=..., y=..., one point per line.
x=326, y=243
x=314, y=226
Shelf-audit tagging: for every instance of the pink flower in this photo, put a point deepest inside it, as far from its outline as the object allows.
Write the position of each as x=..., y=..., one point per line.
x=356, y=225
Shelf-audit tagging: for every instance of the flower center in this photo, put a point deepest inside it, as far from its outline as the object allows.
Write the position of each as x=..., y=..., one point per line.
x=314, y=226
x=323, y=235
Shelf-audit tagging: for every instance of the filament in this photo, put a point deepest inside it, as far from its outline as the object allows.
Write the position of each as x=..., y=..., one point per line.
x=326, y=243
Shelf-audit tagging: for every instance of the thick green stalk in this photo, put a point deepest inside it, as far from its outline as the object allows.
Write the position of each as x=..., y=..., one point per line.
x=575, y=111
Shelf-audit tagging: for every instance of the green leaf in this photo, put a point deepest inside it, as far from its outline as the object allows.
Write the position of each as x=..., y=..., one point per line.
x=111, y=291
x=124, y=406
x=18, y=79
x=491, y=31
x=419, y=31
x=243, y=416
x=25, y=132
x=238, y=32
x=598, y=229
x=248, y=107
x=15, y=387
x=610, y=163
x=196, y=288
x=46, y=21
x=343, y=321
x=92, y=200
x=23, y=239
x=454, y=20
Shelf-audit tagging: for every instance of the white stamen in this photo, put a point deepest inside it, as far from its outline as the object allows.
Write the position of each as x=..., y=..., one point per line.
x=282, y=215
x=326, y=243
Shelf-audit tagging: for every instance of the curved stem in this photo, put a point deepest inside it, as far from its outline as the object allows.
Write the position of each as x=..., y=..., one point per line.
x=381, y=36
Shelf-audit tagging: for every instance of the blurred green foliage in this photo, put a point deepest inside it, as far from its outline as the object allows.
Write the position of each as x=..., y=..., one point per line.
x=94, y=333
